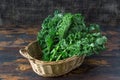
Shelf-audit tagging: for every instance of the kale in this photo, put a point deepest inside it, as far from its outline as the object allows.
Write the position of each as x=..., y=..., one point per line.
x=65, y=35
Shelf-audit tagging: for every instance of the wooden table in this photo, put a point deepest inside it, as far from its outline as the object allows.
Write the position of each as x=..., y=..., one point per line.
x=13, y=66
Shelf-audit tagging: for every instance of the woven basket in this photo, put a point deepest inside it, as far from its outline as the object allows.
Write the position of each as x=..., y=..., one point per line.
x=49, y=68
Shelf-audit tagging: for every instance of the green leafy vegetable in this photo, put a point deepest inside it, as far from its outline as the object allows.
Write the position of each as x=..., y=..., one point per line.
x=65, y=24
x=65, y=35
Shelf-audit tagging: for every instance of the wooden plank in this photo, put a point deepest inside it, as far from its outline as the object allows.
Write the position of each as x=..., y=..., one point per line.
x=98, y=67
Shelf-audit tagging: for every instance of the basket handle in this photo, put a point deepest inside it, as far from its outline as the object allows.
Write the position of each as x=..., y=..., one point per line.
x=24, y=52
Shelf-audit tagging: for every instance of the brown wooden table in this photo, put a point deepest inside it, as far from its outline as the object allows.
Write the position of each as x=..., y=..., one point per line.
x=13, y=66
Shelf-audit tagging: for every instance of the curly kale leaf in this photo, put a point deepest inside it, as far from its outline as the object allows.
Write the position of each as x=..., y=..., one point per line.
x=65, y=24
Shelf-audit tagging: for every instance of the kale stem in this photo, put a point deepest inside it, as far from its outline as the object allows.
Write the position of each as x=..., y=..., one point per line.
x=60, y=55
x=54, y=53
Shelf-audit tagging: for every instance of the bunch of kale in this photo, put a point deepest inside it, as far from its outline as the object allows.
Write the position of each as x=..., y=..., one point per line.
x=65, y=35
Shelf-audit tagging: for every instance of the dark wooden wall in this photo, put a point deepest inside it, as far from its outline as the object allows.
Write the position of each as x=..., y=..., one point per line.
x=32, y=12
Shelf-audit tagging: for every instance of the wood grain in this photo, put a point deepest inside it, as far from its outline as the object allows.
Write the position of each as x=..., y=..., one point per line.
x=98, y=67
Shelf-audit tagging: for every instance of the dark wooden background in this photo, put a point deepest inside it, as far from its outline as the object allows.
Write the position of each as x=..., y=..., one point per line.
x=32, y=12
x=13, y=66
x=20, y=20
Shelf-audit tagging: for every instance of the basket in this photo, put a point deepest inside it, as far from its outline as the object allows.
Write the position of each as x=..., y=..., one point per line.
x=49, y=68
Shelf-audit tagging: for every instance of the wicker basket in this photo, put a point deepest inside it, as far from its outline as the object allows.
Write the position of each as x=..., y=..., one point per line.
x=49, y=68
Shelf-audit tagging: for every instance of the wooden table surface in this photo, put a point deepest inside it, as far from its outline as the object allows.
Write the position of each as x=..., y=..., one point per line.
x=13, y=66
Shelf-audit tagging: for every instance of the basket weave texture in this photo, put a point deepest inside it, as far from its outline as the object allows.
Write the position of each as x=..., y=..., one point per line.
x=49, y=68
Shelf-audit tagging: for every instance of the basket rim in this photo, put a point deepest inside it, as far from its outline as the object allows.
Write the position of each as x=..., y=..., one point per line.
x=50, y=62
